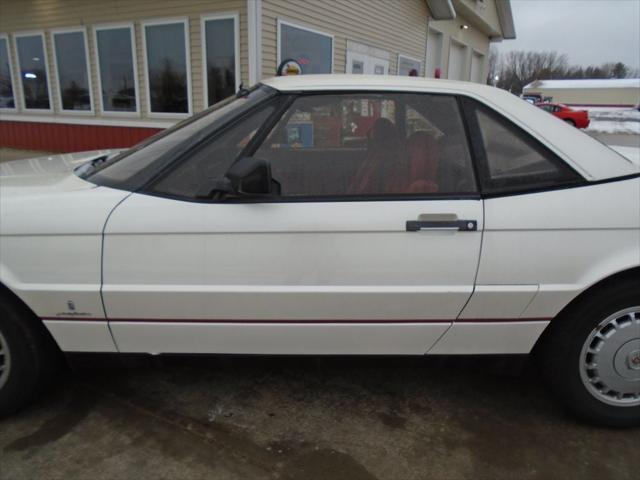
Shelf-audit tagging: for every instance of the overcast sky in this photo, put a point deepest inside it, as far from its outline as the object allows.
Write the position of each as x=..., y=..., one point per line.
x=590, y=32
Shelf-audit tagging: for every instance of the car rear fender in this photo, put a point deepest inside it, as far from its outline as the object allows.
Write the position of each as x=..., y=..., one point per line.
x=624, y=276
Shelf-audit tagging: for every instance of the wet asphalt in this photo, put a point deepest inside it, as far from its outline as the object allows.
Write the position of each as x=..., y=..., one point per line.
x=333, y=418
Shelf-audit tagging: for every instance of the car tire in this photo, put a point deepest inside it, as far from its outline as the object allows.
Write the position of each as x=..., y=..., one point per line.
x=570, y=122
x=29, y=356
x=590, y=356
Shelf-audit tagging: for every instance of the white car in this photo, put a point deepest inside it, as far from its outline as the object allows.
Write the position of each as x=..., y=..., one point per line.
x=335, y=215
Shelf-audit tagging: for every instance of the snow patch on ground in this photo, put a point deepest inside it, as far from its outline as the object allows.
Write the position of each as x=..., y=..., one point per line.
x=614, y=120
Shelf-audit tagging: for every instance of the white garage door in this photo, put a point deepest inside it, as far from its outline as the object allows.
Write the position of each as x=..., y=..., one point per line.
x=457, y=67
x=434, y=52
x=477, y=64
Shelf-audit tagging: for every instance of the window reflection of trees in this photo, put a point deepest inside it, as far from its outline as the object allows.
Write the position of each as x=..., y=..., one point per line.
x=36, y=93
x=125, y=97
x=6, y=88
x=221, y=83
x=168, y=88
x=75, y=97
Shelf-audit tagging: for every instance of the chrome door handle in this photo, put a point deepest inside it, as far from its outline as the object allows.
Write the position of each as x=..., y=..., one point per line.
x=459, y=225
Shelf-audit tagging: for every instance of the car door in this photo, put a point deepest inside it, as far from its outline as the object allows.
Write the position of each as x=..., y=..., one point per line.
x=371, y=247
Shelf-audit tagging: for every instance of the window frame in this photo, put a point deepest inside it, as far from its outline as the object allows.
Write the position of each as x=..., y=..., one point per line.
x=41, y=34
x=96, y=52
x=58, y=88
x=14, y=88
x=187, y=46
x=413, y=59
x=288, y=23
x=469, y=106
x=288, y=100
x=235, y=16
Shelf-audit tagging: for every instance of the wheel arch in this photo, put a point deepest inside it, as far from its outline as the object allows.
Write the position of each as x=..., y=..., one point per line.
x=629, y=275
x=7, y=294
x=5, y=291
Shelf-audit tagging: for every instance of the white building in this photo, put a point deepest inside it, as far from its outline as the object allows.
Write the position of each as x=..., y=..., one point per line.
x=586, y=93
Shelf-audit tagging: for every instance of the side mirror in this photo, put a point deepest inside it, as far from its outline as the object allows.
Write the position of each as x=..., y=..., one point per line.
x=252, y=176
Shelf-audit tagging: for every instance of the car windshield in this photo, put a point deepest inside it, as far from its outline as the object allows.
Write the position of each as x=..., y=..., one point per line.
x=132, y=168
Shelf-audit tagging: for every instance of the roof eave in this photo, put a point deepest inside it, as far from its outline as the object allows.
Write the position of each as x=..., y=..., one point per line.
x=505, y=17
x=441, y=9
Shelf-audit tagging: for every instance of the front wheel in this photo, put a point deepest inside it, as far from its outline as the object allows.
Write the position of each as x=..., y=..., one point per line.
x=570, y=122
x=28, y=355
x=591, y=357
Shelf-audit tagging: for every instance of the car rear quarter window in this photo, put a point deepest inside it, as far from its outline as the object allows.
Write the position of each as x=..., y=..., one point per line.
x=509, y=159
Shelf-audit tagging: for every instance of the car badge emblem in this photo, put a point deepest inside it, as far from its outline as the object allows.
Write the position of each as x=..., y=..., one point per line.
x=71, y=305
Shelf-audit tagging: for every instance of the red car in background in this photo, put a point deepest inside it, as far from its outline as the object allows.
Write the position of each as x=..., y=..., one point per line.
x=577, y=118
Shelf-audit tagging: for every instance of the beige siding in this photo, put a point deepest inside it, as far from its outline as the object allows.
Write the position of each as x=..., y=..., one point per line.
x=393, y=26
x=396, y=26
x=28, y=15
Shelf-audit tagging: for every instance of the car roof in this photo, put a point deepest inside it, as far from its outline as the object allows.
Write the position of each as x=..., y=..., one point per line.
x=594, y=160
x=338, y=81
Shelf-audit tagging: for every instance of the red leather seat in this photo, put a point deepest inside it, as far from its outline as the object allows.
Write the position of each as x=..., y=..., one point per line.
x=424, y=160
x=384, y=151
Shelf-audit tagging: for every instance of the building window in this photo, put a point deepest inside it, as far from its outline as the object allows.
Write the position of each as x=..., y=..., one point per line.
x=167, y=66
x=34, y=74
x=311, y=49
x=74, y=87
x=408, y=66
x=221, y=60
x=115, y=46
x=7, y=99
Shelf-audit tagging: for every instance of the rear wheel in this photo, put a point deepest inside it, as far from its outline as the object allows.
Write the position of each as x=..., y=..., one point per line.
x=591, y=356
x=28, y=355
x=570, y=122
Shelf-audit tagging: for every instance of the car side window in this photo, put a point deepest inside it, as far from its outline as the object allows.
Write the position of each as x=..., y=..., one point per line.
x=370, y=145
x=512, y=159
x=210, y=161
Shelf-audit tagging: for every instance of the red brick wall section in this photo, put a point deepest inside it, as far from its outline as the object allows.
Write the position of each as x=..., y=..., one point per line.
x=59, y=137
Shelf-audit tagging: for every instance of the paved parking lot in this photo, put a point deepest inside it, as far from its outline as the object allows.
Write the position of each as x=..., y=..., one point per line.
x=308, y=418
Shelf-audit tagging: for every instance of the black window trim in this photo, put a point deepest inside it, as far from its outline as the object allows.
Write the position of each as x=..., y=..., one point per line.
x=469, y=107
x=287, y=99
x=389, y=197
x=471, y=130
